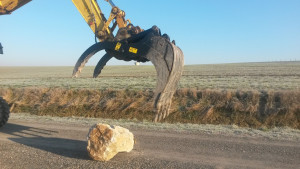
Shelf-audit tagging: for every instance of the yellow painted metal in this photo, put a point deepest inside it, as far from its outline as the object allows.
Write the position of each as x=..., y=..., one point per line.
x=121, y=21
x=133, y=50
x=118, y=46
x=8, y=6
x=92, y=14
x=110, y=19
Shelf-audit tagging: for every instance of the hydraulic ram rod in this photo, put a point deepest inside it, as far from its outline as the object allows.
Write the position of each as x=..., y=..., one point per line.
x=111, y=3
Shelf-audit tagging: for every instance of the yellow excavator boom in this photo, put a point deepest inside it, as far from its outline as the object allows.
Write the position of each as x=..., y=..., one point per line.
x=8, y=6
x=92, y=14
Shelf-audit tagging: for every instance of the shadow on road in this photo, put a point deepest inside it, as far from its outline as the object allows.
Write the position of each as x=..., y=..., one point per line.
x=44, y=140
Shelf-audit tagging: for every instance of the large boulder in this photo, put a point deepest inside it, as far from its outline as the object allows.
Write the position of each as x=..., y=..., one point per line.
x=105, y=141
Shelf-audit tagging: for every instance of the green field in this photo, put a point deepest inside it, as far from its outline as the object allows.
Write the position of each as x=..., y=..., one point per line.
x=241, y=76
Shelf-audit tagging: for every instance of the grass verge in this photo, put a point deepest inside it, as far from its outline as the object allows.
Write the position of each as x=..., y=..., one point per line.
x=252, y=108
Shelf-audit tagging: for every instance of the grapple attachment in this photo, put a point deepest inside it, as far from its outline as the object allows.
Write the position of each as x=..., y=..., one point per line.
x=148, y=45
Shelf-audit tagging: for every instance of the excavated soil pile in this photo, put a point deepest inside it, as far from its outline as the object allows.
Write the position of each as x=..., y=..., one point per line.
x=243, y=108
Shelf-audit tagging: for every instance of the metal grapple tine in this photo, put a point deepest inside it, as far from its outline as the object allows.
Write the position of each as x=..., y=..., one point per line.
x=168, y=60
x=83, y=59
x=100, y=65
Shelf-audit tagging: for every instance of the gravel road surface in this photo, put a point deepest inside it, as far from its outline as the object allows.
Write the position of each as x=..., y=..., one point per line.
x=44, y=142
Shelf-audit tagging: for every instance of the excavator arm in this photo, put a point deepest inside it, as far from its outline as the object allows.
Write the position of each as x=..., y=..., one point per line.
x=93, y=16
x=128, y=43
x=8, y=6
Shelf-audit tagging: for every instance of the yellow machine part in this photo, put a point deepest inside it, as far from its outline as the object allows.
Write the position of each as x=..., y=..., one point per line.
x=92, y=14
x=8, y=6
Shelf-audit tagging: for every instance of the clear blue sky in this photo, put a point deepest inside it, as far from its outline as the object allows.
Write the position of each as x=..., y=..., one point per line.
x=53, y=33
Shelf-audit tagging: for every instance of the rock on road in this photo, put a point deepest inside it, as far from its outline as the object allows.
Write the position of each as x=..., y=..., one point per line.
x=42, y=143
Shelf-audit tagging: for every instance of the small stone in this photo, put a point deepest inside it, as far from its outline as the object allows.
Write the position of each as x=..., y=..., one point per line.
x=105, y=141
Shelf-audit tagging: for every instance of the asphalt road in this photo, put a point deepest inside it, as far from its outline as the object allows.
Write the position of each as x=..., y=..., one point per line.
x=41, y=144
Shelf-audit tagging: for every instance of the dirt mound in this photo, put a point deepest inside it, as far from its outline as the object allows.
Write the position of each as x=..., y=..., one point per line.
x=243, y=108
